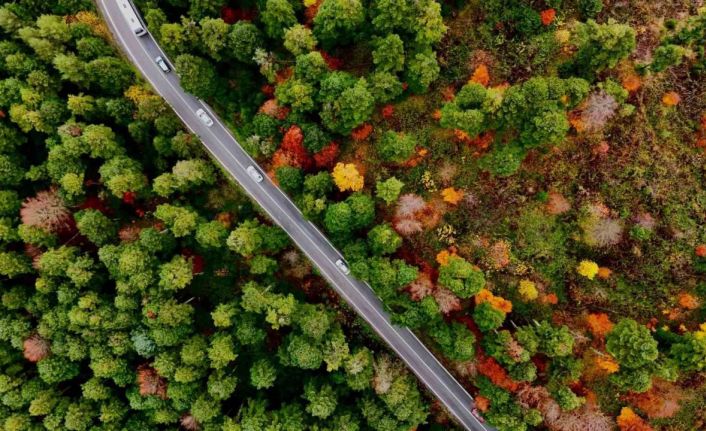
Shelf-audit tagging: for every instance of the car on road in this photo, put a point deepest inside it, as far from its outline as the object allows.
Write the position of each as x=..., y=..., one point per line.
x=341, y=265
x=254, y=173
x=131, y=17
x=162, y=64
x=203, y=116
x=477, y=415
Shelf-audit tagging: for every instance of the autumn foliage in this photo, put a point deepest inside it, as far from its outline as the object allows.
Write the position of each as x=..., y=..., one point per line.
x=332, y=62
x=47, y=211
x=292, y=151
x=482, y=403
x=447, y=301
x=346, y=177
x=388, y=111
x=661, y=401
x=550, y=299
x=416, y=158
x=232, y=15
x=631, y=82
x=604, y=273
x=557, y=204
x=150, y=382
x=547, y=16
x=312, y=8
x=489, y=367
x=35, y=348
x=688, y=301
x=409, y=215
x=451, y=195
x=362, y=132
x=481, y=142
x=481, y=75
x=462, y=137
x=421, y=287
x=628, y=420
x=442, y=257
x=528, y=290
x=498, y=254
x=700, y=250
x=499, y=303
x=599, y=324
x=94, y=22
x=671, y=98
x=273, y=109
x=189, y=422
x=607, y=364
x=588, y=269
x=327, y=155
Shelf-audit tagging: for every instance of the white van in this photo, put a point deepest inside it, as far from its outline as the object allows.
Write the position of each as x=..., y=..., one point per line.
x=131, y=17
x=162, y=64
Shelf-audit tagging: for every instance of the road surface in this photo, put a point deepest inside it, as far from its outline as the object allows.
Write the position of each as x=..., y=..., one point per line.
x=227, y=151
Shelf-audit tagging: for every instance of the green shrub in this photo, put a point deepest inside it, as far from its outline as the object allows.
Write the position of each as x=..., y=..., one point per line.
x=310, y=67
x=666, y=56
x=277, y=16
x=554, y=341
x=600, y=47
x=523, y=372
x=631, y=344
x=315, y=138
x=590, y=8
x=388, y=55
x=461, y=277
x=299, y=40
x=487, y=317
x=338, y=20
x=567, y=399
x=504, y=159
x=635, y=380
x=516, y=17
x=290, y=179
x=422, y=70
x=395, y=147
x=690, y=352
x=455, y=340
x=347, y=109
x=503, y=348
x=243, y=40
x=382, y=239
x=385, y=86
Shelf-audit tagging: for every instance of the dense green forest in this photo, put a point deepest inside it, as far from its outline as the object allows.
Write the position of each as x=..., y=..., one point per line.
x=140, y=289
x=520, y=181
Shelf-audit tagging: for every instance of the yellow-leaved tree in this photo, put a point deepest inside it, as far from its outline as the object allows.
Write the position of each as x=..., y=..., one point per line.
x=452, y=195
x=347, y=177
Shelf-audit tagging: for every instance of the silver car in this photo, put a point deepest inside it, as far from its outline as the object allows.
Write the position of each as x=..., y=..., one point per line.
x=254, y=173
x=162, y=64
x=203, y=116
x=343, y=267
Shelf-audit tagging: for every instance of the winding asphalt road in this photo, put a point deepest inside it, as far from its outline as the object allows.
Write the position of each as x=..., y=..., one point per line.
x=142, y=51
